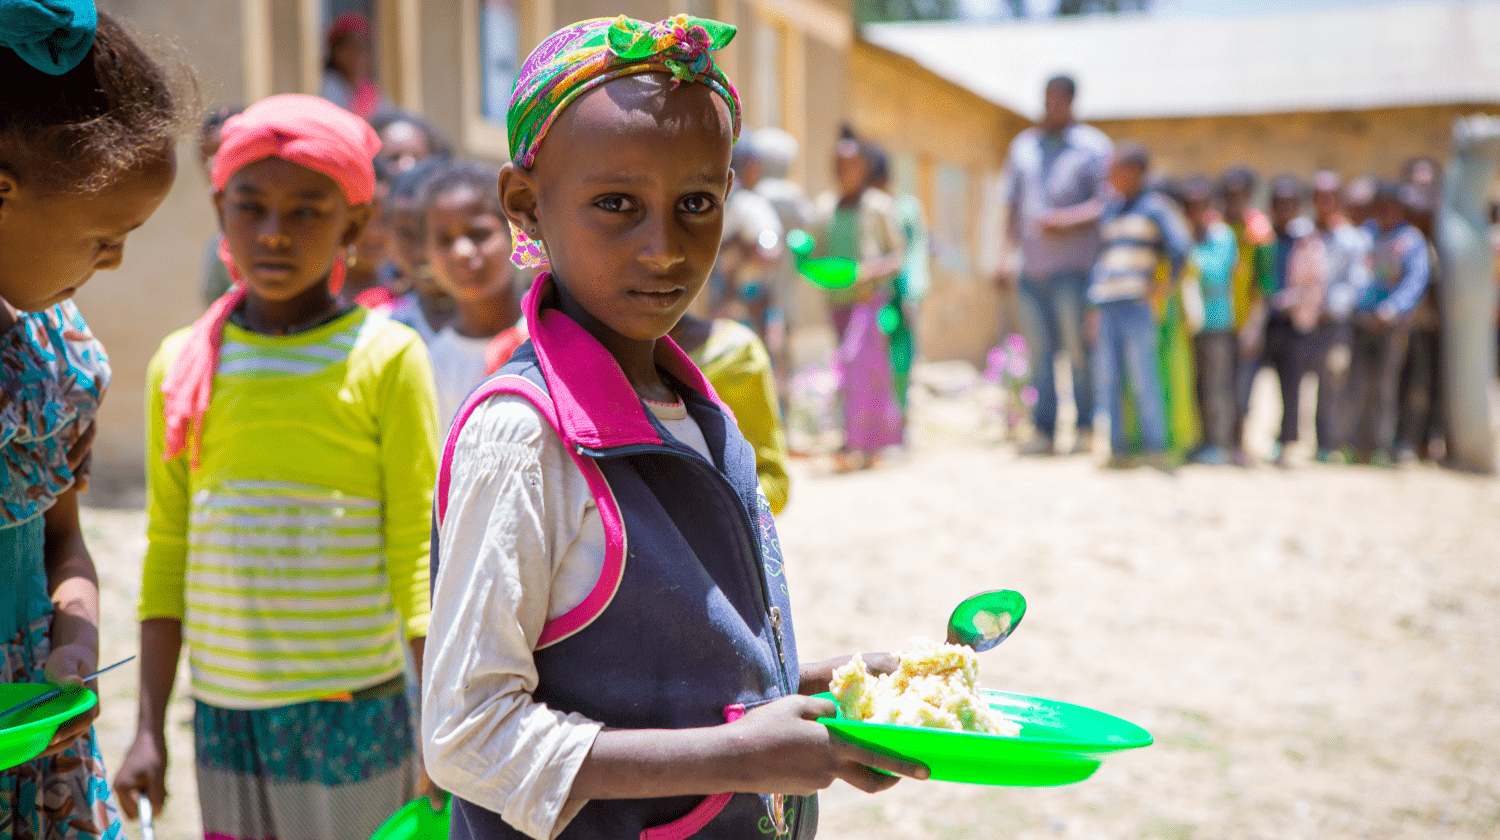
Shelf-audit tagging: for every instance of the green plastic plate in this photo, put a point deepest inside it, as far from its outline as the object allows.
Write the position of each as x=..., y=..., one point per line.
x=416, y=821
x=25, y=734
x=1060, y=743
x=829, y=272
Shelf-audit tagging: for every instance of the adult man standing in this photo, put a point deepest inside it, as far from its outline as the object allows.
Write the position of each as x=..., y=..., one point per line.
x=1054, y=184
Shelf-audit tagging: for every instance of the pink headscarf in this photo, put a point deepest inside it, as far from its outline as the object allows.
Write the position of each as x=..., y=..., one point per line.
x=309, y=132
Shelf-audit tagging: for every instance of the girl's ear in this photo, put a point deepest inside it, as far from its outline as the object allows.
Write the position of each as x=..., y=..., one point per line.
x=359, y=216
x=518, y=198
x=8, y=187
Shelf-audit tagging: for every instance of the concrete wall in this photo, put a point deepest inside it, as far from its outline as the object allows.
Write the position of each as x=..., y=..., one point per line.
x=953, y=143
x=1352, y=142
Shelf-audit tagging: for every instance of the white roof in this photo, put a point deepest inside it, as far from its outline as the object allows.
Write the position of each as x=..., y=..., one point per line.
x=1128, y=66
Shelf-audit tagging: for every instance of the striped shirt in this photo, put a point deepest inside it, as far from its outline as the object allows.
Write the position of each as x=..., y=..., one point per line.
x=296, y=554
x=1135, y=234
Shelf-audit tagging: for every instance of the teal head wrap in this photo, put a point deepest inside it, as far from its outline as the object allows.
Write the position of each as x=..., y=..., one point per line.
x=51, y=35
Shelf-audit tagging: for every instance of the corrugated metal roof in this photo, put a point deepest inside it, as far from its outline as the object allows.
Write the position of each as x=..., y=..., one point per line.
x=1141, y=66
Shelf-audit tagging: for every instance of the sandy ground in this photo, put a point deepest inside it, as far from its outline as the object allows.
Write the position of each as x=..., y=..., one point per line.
x=1313, y=649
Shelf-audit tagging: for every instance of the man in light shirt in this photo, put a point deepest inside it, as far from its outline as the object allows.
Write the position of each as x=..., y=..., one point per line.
x=1053, y=189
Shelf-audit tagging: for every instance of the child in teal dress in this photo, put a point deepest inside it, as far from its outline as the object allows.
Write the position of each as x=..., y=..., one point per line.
x=87, y=132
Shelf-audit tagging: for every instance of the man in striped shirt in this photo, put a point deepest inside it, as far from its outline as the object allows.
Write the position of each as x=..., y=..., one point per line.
x=1137, y=228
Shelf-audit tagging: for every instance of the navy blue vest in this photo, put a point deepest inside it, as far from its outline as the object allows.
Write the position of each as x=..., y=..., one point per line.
x=688, y=629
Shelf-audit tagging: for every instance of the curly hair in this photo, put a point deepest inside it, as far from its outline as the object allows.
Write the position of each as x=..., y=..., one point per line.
x=79, y=132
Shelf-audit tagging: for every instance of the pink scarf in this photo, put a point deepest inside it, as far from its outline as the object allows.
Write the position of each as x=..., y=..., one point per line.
x=307, y=131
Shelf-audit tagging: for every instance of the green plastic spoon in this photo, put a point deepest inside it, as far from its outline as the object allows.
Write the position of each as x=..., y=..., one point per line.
x=984, y=620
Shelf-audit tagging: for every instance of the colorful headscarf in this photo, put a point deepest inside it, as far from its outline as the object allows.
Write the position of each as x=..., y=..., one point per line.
x=582, y=56
x=309, y=132
x=51, y=35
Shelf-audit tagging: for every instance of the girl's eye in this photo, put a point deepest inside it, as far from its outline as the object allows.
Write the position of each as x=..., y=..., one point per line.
x=613, y=204
x=306, y=213
x=697, y=204
x=248, y=208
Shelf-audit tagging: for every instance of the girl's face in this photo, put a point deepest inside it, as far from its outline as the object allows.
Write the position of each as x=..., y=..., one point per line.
x=468, y=247
x=285, y=224
x=50, y=245
x=850, y=168
x=403, y=145
x=628, y=193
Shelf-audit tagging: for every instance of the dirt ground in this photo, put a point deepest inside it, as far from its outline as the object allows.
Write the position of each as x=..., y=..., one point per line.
x=1313, y=648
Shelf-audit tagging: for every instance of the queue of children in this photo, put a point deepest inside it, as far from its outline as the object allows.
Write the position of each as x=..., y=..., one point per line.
x=1298, y=292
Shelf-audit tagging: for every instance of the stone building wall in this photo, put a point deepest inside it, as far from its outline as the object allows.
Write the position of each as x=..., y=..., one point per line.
x=1352, y=142
x=947, y=145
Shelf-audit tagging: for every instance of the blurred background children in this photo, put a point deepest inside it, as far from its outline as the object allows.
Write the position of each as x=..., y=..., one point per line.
x=1136, y=229
x=468, y=249
x=1215, y=347
x=859, y=223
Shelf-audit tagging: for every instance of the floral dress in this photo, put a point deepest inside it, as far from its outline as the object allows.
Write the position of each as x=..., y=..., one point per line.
x=52, y=375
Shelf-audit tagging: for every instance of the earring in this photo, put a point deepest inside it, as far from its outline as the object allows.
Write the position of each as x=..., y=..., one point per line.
x=527, y=251
x=351, y=256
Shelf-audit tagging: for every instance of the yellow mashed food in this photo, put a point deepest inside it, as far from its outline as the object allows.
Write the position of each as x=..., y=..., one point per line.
x=937, y=686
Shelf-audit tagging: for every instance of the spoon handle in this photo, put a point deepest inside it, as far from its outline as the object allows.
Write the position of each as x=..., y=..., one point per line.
x=148, y=830
x=48, y=695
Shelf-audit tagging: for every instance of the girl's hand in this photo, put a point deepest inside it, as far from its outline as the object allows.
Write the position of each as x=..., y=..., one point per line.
x=781, y=748
x=66, y=665
x=144, y=769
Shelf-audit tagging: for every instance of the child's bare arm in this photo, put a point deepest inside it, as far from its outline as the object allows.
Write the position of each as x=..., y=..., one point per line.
x=73, y=586
x=777, y=748
x=145, y=765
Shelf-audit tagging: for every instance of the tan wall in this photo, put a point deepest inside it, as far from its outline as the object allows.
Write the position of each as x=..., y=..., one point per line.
x=1352, y=142
x=939, y=125
x=156, y=290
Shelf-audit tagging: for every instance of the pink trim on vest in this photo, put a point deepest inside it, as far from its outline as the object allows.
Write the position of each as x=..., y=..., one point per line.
x=693, y=822
x=696, y=819
x=596, y=406
x=613, y=570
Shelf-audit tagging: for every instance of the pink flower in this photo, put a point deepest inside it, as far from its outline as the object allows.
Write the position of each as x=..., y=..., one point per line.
x=1028, y=396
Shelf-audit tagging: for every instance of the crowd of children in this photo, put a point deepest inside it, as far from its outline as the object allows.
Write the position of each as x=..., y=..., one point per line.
x=1335, y=281
x=1169, y=296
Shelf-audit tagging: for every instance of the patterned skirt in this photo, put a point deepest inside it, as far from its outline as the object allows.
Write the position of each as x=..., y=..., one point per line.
x=61, y=797
x=322, y=770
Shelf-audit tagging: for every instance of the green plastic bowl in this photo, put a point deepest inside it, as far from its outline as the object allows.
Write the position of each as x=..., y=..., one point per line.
x=829, y=272
x=1059, y=744
x=25, y=734
x=416, y=821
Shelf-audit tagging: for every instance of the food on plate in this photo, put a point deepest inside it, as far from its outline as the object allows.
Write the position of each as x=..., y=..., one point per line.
x=936, y=686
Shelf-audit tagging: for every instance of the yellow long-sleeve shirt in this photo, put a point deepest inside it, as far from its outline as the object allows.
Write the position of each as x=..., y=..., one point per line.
x=291, y=551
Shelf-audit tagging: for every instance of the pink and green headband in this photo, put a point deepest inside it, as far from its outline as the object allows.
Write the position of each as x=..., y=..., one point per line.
x=587, y=54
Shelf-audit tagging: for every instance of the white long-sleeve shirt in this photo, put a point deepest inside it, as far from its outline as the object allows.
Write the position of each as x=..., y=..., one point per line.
x=522, y=543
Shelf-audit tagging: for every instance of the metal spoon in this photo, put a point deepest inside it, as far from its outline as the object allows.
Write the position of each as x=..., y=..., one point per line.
x=48, y=695
x=984, y=620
